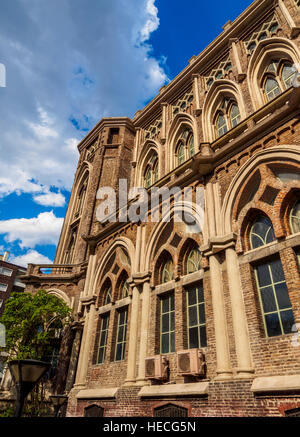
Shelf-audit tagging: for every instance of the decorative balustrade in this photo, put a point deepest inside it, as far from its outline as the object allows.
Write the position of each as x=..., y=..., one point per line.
x=54, y=269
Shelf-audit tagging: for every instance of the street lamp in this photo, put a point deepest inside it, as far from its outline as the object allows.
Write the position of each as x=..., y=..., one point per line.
x=58, y=401
x=26, y=374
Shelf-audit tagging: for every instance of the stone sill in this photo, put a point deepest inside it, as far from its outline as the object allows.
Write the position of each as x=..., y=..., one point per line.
x=194, y=389
x=276, y=384
x=102, y=393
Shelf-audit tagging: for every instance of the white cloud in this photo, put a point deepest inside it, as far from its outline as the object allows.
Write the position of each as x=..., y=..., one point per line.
x=41, y=230
x=59, y=76
x=50, y=199
x=31, y=257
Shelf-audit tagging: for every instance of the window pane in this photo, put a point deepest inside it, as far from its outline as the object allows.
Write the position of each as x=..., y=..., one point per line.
x=272, y=89
x=203, y=339
x=201, y=314
x=277, y=271
x=200, y=294
x=119, y=352
x=165, y=323
x=287, y=320
x=282, y=295
x=268, y=300
x=180, y=154
x=221, y=125
x=121, y=336
x=165, y=343
x=263, y=274
x=235, y=116
x=191, y=146
x=288, y=74
x=261, y=232
x=295, y=218
x=192, y=296
x=194, y=338
x=165, y=304
x=172, y=348
x=172, y=322
x=193, y=319
x=273, y=325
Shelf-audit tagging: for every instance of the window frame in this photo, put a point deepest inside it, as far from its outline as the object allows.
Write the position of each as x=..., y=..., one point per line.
x=124, y=338
x=224, y=110
x=292, y=216
x=184, y=144
x=197, y=305
x=277, y=76
x=105, y=330
x=171, y=332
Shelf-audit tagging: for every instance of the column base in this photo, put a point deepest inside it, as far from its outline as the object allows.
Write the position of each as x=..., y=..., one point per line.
x=245, y=373
x=223, y=375
x=142, y=382
x=129, y=382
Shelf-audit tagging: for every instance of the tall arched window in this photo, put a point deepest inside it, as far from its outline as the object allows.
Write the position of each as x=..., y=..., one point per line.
x=295, y=218
x=227, y=117
x=71, y=247
x=167, y=273
x=124, y=289
x=107, y=294
x=185, y=147
x=193, y=262
x=151, y=172
x=80, y=199
x=278, y=77
x=261, y=233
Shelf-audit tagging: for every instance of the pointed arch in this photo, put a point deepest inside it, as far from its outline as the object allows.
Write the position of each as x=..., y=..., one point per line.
x=290, y=153
x=149, y=149
x=61, y=295
x=124, y=243
x=280, y=48
x=220, y=90
x=181, y=119
x=196, y=212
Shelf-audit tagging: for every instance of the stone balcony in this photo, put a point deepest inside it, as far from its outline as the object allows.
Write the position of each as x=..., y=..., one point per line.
x=54, y=272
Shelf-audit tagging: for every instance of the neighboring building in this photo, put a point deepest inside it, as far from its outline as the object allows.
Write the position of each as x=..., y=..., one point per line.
x=9, y=280
x=151, y=299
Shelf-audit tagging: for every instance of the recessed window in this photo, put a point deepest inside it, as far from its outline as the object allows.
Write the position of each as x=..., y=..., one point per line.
x=196, y=317
x=278, y=77
x=261, y=233
x=6, y=272
x=274, y=298
x=107, y=295
x=295, y=218
x=185, y=148
x=193, y=263
x=93, y=411
x=228, y=116
x=151, y=172
x=121, y=335
x=103, y=338
x=167, y=324
x=124, y=289
x=3, y=287
x=167, y=271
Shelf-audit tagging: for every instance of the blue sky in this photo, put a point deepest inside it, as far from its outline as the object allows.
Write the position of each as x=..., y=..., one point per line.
x=69, y=63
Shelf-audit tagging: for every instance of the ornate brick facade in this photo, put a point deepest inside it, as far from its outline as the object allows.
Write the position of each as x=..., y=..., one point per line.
x=229, y=123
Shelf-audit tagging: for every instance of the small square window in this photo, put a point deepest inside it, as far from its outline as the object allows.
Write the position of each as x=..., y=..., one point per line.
x=3, y=287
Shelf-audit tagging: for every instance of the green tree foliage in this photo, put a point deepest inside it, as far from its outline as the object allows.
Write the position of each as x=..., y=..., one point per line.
x=32, y=324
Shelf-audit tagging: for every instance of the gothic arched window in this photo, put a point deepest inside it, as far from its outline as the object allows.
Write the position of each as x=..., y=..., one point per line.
x=124, y=292
x=107, y=294
x=278, y=77
x=262, y=232
x=167, y=271
x=185, y=147
x=193, y=262
x=227, y=117
x=295, y=218
x=151, y=172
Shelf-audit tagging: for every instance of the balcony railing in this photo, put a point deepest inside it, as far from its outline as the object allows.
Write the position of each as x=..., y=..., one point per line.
x=53, y=269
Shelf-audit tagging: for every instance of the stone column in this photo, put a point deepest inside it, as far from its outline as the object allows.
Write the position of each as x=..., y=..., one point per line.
x=144, y=332
x=86, y=343
x=74, y=359
x=224, y=370
x=164, y=122
x=133, y=336
x=196, y=93
x=241, y=74
x=295, y=30
x=242, y=344
x=90, y=274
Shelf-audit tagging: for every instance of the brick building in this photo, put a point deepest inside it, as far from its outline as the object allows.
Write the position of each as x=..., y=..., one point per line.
x=9, y=279
x=171, y=320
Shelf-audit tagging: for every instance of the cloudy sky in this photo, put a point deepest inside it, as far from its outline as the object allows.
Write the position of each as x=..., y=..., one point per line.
x=68, y=64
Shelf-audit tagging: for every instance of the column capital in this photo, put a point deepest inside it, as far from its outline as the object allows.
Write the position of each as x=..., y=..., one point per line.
x=164, y=104
x=88, y=300
x=139, y=278
x=219, y=244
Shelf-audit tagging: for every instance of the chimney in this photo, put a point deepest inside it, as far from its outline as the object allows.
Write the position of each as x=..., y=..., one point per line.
x=5, y=256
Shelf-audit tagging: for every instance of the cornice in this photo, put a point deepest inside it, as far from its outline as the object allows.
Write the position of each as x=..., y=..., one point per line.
x=218, y=244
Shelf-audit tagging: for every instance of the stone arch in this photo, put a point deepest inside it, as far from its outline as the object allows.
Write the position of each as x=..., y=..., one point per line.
x=124, y=243
x=219, y=90
x=290, y=153
x=187, y=245
x=149, y=148
x=195, y=211
x=61, y=295
x=179, y=120
x=265, y=50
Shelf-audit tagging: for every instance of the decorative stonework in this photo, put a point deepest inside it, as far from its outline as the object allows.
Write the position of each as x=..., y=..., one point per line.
x=183, y=104
x=266, y=30
x=220, y=72
x=153, y=130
